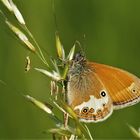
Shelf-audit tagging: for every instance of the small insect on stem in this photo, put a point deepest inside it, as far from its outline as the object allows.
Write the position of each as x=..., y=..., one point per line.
x=28, y=64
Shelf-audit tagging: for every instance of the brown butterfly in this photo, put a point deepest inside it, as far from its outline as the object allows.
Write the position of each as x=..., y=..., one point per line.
x=95, y=90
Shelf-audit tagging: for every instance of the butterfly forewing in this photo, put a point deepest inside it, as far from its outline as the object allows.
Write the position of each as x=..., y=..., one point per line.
x=123, y=87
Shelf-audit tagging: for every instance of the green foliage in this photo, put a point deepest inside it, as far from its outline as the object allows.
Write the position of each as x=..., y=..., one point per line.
x=112, y=36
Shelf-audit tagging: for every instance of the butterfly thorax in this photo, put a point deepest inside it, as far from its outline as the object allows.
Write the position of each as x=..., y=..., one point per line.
x=78, y=65
x=78, y=75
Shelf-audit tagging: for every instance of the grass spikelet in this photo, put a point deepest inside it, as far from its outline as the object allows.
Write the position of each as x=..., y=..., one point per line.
x=135, y=132
x=23, y=38
x=53, y=75
x=58, y=75
x=17, y=13
x=7, y=5
x=59, y=47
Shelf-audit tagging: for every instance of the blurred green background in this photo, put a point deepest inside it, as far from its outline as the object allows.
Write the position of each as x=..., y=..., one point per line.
x=112, y=29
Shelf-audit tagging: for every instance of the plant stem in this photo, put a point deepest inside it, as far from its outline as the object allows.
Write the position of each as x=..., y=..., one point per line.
x=66, y=117
x=91, y=138
x=40, y=54
x=53, y=136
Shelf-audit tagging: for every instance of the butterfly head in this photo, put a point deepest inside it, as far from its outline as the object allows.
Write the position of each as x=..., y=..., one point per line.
x=79, y=57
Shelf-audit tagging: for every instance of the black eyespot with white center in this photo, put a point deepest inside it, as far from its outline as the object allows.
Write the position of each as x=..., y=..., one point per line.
x=103, y=93
x=85, y=109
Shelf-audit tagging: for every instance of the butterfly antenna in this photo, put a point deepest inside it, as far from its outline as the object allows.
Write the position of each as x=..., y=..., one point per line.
x=84, y=45
x=84, y=42
x=78, y=44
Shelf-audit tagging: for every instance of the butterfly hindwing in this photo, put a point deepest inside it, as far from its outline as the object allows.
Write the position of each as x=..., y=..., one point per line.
x=88, y=96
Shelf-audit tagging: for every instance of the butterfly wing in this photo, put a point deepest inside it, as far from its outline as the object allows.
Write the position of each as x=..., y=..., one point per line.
x=122, y=86
x=87, y=95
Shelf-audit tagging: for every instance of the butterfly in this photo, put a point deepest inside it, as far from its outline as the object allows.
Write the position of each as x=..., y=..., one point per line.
x=95, y=90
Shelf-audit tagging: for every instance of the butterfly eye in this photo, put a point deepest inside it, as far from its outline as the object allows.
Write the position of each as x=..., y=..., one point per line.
x=103, y=93
x=85, y=109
